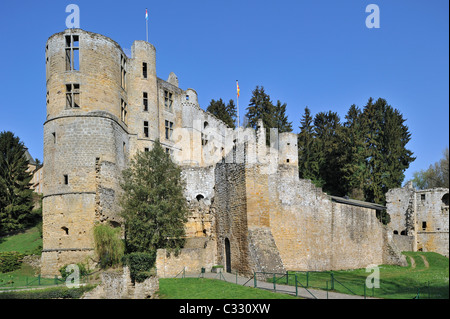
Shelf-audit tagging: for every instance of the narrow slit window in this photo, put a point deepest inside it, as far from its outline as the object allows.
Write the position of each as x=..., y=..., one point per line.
x=66, y=179
x=145, y=128
x=54, y=137
x=72, y=95
x=145, y=101
x=123, y=111
x=424, y=225
x=123, y=72
x=144, y=70
x=72, y=53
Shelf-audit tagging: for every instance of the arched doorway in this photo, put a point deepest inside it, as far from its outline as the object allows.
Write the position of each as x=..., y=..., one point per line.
x=227, y=255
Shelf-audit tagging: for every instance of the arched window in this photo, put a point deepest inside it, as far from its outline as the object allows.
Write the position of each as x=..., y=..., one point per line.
x=199, y=197
x=395, y=232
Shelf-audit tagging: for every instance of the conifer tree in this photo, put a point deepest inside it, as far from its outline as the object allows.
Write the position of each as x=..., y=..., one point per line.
x=15, y=193
x=153, y=203
x=280, y=118
x=261, y=108
x=226, y=113
x=308, y=166
x=353, y=165
x=327, y=128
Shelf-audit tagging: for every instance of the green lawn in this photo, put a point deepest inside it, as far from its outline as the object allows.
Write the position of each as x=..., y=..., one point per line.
x=202, y=288
x=26, y=242
x=426, y=281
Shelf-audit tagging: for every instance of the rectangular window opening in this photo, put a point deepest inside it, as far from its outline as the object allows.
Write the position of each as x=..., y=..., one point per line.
x=168, y=101
x=72, y=95
x=145, y=128
x=144, y=70
x=123, y=72
x=72, y=53
x=424, y=225
x=66, y=179
x=145, y=101
x=123, y=111
x=169, y=129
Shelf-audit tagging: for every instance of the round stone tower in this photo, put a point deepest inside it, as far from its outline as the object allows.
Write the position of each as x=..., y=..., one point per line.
x=86, y=142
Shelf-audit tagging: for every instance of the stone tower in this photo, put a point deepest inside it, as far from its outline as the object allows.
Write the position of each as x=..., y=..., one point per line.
x=95, y=115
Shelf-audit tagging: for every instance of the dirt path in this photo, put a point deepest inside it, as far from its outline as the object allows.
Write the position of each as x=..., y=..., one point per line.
x=413, y=262
x=425, y=261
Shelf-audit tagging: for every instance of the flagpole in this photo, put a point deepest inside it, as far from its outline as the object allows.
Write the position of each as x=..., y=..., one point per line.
x=237, y=97
x=146, y=23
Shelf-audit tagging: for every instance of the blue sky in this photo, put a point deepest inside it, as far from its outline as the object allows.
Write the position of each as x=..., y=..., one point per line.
x=315, y=53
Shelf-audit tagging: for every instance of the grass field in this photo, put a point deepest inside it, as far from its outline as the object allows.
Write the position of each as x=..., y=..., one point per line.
x=202, y=288
x=25, y=242
x=426, y=276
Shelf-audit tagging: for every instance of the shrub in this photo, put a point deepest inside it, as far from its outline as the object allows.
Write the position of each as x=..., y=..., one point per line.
x=10, y=261
x=108, y=245
x=49, y=293
x=82, y=268
x=140, y=265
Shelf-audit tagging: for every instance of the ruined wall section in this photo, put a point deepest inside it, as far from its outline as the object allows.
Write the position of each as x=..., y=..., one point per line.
x=230, y=204
x=432, y=220
x=314, y=233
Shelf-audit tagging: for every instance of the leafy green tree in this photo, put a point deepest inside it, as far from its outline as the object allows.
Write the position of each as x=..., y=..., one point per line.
x=154, y=207
x=226, y=113
x=435, y=176
x=16, y=201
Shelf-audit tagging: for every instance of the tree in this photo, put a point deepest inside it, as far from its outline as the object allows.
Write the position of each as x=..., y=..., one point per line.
x=308, y=166
x=280, y=118
x=226, y=113
x=16, y=202
x=435, y=176
x=327, y=128
x=353, y=165
x=261, y=108
x=387, y=157
x=154, y=207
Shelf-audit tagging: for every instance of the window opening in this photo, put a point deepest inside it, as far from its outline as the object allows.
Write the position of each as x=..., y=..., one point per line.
x=72, y=53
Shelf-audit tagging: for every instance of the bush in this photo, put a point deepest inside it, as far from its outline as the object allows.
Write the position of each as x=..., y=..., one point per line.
x=140, y=265
x=108, y=245
x=82, y=268
x=49, y=293
x=10, y=261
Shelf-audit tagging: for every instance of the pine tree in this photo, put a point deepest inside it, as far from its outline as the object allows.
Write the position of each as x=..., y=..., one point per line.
x=154, y=207
x=327, y=128
x=281, y=120
x=15, y=193
x=261, y=108
x=387, y=157
x=308, y=166
x=226, y=113
x=353, y=165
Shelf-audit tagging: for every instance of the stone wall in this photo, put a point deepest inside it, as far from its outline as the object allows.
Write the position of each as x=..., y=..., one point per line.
x=118, y=285
x=422, y=215
x=197, y=254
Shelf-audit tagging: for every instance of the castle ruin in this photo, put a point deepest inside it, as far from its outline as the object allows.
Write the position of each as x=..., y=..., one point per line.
x=249, y=209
